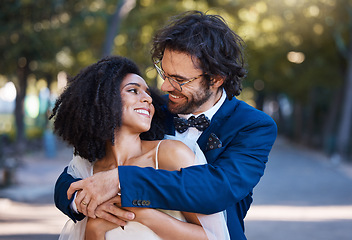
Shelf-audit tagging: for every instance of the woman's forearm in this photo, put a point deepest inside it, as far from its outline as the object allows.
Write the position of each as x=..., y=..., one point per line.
x=96, y=229
x=168, y=227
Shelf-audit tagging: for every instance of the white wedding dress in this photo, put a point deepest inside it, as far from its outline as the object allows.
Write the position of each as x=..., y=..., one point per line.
x=214, y=224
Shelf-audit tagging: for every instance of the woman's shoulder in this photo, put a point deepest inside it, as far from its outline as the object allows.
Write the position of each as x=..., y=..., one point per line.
x=174, y=155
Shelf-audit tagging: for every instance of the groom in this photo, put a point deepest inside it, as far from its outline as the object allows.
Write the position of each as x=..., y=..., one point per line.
x=201, y=61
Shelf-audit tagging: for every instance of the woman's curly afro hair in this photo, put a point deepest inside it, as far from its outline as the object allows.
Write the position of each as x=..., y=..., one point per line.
x=89, y=111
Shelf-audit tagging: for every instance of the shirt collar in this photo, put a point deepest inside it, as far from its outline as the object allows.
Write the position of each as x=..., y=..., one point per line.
x=210, y=112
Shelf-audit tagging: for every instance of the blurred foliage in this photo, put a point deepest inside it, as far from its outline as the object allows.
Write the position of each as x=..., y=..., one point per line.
x=295, y=48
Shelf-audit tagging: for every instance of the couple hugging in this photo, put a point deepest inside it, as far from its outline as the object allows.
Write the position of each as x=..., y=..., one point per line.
x=148, y=169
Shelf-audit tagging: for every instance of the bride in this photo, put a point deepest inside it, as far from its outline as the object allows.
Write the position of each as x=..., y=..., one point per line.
x=104, y=113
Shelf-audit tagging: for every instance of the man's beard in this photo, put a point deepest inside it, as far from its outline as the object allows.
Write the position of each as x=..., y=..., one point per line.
x=198, y=99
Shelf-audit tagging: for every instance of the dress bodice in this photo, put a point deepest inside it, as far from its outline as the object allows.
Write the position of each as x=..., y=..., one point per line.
x=136, y=230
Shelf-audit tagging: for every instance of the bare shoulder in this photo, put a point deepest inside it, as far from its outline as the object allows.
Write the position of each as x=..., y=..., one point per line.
x=174, y=155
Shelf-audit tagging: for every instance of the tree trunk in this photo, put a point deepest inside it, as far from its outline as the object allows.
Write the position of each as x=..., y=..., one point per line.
x=308, y=136
x=122, y=10
x=22, y=74
x=344, y=130
x=329, y=130
x=298, y=122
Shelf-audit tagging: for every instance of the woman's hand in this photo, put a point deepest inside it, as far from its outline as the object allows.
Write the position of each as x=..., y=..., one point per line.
x=111, y=211
x=109, y=216
x=97, y=227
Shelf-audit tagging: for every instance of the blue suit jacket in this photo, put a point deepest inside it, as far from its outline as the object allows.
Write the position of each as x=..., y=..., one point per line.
x=226, y=183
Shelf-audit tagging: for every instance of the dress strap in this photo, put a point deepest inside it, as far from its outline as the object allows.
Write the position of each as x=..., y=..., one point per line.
x=156, y=155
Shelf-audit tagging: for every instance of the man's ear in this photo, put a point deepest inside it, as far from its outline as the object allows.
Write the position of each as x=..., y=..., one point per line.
x=217, y=81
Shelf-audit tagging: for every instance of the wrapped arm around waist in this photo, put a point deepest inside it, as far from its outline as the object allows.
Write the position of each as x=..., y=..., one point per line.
x=60, y=195
x=231, y=176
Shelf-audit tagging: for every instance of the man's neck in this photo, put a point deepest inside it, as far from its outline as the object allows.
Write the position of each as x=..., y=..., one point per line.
x=209, y=104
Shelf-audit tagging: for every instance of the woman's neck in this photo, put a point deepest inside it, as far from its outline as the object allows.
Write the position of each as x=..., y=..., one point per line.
x=125, y=147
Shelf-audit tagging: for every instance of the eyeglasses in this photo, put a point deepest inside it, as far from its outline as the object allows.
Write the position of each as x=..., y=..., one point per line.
x=174, y=83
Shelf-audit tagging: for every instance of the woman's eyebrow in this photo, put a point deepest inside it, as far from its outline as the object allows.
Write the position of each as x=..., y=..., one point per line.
x=132, y=83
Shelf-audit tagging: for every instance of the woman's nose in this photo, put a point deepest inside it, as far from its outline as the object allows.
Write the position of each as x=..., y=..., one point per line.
x=147, y=98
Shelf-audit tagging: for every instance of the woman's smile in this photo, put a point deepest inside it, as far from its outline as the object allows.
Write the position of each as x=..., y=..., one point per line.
x=143, y=111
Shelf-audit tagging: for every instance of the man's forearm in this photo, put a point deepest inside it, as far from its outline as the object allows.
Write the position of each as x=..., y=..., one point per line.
x=228, y=179
x=60, y=195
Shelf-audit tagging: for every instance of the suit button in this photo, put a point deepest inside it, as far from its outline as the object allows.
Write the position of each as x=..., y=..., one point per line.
x=147, y=203
x=139, y=203
x=144, y=203
x=134, y=202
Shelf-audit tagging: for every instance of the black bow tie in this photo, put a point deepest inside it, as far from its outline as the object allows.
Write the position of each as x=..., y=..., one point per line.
x=201, y=123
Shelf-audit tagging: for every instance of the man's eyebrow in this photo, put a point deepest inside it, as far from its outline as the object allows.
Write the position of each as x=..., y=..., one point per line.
x=178, y=77
x=173, y=75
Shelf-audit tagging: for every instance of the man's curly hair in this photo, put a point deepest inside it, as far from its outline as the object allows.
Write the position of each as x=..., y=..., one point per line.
x=89, y=110
x=209, y=39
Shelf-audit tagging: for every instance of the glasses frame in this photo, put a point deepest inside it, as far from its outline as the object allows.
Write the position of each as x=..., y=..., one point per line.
x=174, y=83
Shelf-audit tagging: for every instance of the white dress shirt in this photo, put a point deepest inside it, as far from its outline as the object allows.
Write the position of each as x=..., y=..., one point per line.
x=192, y=134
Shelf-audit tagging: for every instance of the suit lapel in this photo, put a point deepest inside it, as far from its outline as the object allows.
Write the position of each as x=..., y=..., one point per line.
x=217, y=120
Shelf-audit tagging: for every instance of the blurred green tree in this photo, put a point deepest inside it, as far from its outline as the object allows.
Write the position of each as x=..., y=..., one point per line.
x=41, y=38
x=297, y=51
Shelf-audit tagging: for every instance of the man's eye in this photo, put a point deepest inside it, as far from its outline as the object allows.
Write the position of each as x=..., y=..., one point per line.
x=179, y=80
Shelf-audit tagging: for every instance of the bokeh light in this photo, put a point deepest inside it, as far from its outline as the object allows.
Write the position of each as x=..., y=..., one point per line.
x=296, y=57
x=8, y=92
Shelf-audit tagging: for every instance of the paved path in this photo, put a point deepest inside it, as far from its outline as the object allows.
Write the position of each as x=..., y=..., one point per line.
x=302, y=196
x=27, y=211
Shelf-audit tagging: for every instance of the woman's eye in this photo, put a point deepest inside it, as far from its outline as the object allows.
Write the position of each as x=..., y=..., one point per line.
x=133, y=90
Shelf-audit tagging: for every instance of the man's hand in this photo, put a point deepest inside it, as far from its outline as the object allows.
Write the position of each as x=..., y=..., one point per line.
x=111, y=211
x=94, y=190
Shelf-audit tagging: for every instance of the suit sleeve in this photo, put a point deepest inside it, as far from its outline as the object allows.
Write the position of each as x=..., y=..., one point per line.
x=208, y=188
x=60, y=195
